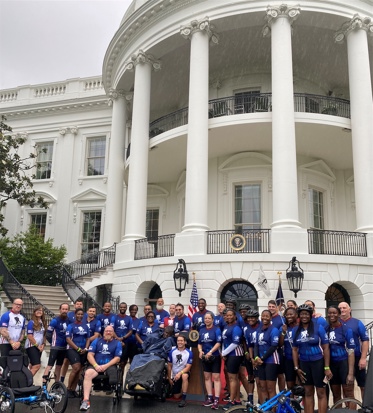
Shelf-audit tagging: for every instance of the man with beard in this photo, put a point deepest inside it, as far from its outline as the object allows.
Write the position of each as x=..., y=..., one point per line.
x=93, y=324
x=105, y=317
x=181, y=321
x=122, y=324
x=12, y=328
x=160, y=312
x=199, y=316
x=56, y=336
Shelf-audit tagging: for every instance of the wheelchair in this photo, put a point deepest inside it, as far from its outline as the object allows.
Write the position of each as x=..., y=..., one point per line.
x=101, y=383
x=16, y=386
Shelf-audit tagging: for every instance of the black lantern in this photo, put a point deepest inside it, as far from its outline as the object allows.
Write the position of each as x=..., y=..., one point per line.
x=294, y=276
x=181, y=276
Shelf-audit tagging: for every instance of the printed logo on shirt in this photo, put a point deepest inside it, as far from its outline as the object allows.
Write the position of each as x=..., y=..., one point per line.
x=105, y=349
x=179, y=358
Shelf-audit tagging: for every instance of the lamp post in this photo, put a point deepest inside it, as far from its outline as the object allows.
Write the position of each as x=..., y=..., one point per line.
x=295, y=276
x=181, y=276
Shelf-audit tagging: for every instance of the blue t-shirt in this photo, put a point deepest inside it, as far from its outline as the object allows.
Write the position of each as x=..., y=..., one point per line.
x=94, y=326
x=78, y=333
x=219, y=321
x=309, y=346
x=182, y=324
x=340, y=338
x=14, y=323
x=105, y=320
x=161, y=315
x=208, y=337
x=105, y=351
x=266, y=338
x=232, y=335
x=288, y=343
x=278, y=321
x=56, y=333
x=71, y=317
x=198, y=319
x=359, y=332
x=321, y=321
x=122, y=325
x=144, y=329
x=250, y=333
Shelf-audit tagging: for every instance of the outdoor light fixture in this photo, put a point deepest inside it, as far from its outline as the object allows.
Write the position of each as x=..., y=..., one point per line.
x=181, y=276
x=295, y=276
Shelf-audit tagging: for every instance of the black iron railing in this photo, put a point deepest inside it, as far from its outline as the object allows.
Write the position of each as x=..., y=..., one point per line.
x=92, y=262
x=162, y=246
x=14, y=289
x=253, y=103
x=221, y=242
x=337, y=243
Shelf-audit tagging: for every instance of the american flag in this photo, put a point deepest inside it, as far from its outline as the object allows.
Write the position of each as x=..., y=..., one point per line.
x=193, y=301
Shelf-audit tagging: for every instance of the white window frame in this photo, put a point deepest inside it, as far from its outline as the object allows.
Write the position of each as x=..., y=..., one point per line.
x=41, y=141
x=84, y=150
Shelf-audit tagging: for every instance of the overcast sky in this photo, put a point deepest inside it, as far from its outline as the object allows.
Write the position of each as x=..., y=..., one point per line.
x=43, y=41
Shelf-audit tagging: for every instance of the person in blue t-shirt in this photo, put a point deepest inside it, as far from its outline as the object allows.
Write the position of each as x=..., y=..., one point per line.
x=342, y=355
x=105, y=317
x=209, y=343
x=181, y=321
x=122, y=324
x=77, y=305
x=77, y=338
x=160, y=312
x=93, y=324
x=311, y=357
x=103, y=355
x=198, y=317
x=146, y=327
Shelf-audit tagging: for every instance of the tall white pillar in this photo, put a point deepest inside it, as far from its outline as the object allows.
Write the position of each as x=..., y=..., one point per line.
x=284, y=154
x=114, y=196
x=138, y=170
x=355, y=31
x=196, y=191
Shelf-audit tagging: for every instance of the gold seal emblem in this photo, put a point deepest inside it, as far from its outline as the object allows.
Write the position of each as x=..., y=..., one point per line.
x=193, y=335
x=237, y=242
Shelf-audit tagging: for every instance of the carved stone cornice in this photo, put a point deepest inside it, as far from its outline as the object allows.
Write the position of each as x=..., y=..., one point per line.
x=282, y=11
x=140, y=58
x=69, y=129
x=199, y=26
x=356, y=23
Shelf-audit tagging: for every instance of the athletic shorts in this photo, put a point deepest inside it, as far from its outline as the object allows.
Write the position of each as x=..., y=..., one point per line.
x=129, y=351
x=4, y=349
x=74, y=357
x=213, y=366
x=360, y=375
x=268, y=371
x=249, y=367
x=177, y=387
x=290, y=373
x=340, y=371
x=110, y=372
x=314, y=372
x=233, y=363
x=34, y=355
x=56, y=356
x=281, y=366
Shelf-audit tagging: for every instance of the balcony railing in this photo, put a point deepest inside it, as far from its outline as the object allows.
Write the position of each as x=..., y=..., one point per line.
x=220, y=242
x=253, y=103
x=163, y=246
x=337, y=243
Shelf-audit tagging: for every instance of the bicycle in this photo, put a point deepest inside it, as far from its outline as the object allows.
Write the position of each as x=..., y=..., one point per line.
x=282, y=400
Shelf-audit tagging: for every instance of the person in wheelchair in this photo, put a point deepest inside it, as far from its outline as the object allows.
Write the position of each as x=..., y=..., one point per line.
x=103, y=356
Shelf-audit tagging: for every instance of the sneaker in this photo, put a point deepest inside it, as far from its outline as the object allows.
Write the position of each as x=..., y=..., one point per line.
x=71, y=394
x=227, y=398
x=182, y=403
x=208, y=403
x=228, y=406
x=215, y=405
x=85, y=405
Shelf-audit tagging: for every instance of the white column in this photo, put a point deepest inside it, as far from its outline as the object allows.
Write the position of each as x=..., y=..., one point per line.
x=138, y=170
x=196, y=191
x=284, y=154
x=361, y=115
x=114, y=196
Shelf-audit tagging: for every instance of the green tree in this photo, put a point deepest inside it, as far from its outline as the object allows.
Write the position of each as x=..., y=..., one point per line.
x=31, y=259
x=15, y=180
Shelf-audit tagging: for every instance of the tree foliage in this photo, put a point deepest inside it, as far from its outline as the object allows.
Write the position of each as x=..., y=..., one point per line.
x=15, y=178
x=31, y=259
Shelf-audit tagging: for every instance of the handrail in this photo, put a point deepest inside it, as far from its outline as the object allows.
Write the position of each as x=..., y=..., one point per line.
x=14, y=289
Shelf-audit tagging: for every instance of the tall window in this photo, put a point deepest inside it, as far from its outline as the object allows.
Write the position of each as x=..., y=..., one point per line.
x=44, y=160
x=245, y=102
x=248, y=207
x=91, y=232
x=96, y=156
x=152, y=223
x=39, y=221
x=316, y=209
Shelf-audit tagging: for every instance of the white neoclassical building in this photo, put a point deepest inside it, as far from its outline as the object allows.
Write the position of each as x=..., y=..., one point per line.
x=215, y=119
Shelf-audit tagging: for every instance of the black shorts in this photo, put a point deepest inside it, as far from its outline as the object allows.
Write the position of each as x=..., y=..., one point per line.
x=268, y=371
x=34, y=355
x=4, y=349
x=212, y=366
x=290, y=373
x=233, y=363
x=340, y=371
x=249, y=367
x=281, y=366
x=74, y=357
x=315, y=372
x=56, y=356
x=360, y=375
x=110, y=372
x=177, y=387
x=129, y=351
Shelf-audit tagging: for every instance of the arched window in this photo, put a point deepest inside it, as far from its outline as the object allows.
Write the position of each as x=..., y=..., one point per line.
x=336, y=294
x=241, y=291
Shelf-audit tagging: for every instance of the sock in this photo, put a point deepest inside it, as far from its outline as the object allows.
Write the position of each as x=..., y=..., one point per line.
x=250, y=398
x=216, y=398
x=62, y=379
x=209, y=397
x=184, y=396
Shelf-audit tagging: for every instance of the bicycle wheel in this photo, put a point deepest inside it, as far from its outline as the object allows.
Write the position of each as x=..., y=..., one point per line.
x=239, y=408
x=346, y=400
x=58, y=397
x=7, y=401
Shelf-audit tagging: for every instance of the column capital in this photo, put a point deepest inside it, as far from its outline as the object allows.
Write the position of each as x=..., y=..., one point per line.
x=199, y=26
x=275, y=12
x=115, y=94
x=356, y=23
x=140, y=58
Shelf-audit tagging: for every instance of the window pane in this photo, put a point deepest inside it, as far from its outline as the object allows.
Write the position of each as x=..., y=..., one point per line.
x=91, y=232
x=248, y=210
x=316, y=208
x=39, y=221
x=96, y=156
x=152, y=223
x=44, y=160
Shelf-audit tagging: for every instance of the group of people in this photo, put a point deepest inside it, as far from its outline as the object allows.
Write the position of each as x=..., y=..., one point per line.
x=284, y=346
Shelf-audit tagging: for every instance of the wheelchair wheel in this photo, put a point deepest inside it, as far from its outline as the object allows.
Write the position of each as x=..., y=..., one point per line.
x=58, y=397
x=7, y=402
x=296, y=406
x=346, y=400
x=237, y=409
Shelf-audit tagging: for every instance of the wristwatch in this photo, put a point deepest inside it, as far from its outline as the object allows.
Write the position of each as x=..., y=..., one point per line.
x=296, y=368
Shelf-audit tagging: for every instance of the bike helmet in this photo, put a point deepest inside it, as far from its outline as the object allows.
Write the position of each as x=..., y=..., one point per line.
x=244, y=307
x=231, y=300
x=252, y=313
x=305, y=307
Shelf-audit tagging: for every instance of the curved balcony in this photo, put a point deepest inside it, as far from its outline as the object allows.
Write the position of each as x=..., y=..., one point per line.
x=253, y=103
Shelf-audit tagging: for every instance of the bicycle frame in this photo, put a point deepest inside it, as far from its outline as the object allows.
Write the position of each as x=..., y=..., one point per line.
x=281, y=400
x=43, y=396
